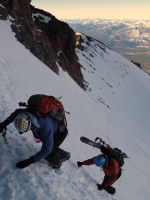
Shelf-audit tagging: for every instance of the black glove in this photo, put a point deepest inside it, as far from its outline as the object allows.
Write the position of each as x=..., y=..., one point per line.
x=25, y=163
x=2, y=126
x=100, y=186
x=79, y=164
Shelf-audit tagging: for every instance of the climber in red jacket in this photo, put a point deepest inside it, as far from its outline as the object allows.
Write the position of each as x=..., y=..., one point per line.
x=110, y=167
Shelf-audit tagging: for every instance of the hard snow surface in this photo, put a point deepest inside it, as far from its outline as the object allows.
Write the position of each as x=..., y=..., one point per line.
x=114, y=107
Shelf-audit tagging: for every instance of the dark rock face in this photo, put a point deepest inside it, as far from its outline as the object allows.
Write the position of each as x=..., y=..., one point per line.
x=17, y=8
x=63, y=41
x=49, y=39
x=3, y=9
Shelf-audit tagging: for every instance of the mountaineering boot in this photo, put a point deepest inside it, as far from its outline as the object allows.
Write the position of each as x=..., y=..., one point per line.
x=64, y=155
x=56, y=158
x=110, y=189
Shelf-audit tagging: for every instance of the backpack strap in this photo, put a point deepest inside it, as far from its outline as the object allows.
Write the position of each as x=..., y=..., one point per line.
x=109, y=161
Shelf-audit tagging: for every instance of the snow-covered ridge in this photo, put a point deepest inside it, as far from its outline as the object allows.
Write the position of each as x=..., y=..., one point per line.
x=102, y=82
x=147, y=71
x=120, y=84
x=128, y=37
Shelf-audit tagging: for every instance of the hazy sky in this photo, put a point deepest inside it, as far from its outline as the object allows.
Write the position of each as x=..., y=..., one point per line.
x=108, y=9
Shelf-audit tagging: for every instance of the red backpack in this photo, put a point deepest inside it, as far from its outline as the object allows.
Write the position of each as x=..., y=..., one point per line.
x=47, y=106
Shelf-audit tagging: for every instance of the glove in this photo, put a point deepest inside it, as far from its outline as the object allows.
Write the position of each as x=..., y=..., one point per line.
x=100, y=186
x=25, y=163
x=79, y=164
x=3, y=125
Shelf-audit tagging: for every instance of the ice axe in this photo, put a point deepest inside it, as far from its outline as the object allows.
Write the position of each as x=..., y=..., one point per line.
x=4, y=136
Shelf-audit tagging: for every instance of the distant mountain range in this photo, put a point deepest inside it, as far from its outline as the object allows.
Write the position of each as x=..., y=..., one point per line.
x=128, y=37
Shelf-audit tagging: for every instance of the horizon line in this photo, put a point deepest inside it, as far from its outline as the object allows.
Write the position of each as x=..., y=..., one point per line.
x=92, y=18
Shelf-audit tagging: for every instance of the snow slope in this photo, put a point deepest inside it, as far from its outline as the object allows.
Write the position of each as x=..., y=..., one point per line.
x=115, y=107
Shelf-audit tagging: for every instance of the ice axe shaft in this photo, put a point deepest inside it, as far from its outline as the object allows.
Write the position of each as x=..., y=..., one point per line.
x=4, y=136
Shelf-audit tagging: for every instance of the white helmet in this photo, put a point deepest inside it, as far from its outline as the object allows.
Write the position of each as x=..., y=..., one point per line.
x=23, y=122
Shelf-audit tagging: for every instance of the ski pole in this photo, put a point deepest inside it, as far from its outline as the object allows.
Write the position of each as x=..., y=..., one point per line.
x=4, y=136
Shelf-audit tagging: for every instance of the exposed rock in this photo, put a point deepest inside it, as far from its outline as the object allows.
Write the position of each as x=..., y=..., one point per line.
x=17, y=8
x=3, y=9
x=49, y=39
x=63, y=41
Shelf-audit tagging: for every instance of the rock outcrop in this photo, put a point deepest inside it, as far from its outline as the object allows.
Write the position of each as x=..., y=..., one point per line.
x=50, y=40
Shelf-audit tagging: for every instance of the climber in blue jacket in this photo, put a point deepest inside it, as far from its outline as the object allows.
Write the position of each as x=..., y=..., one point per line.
x=45, y=129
